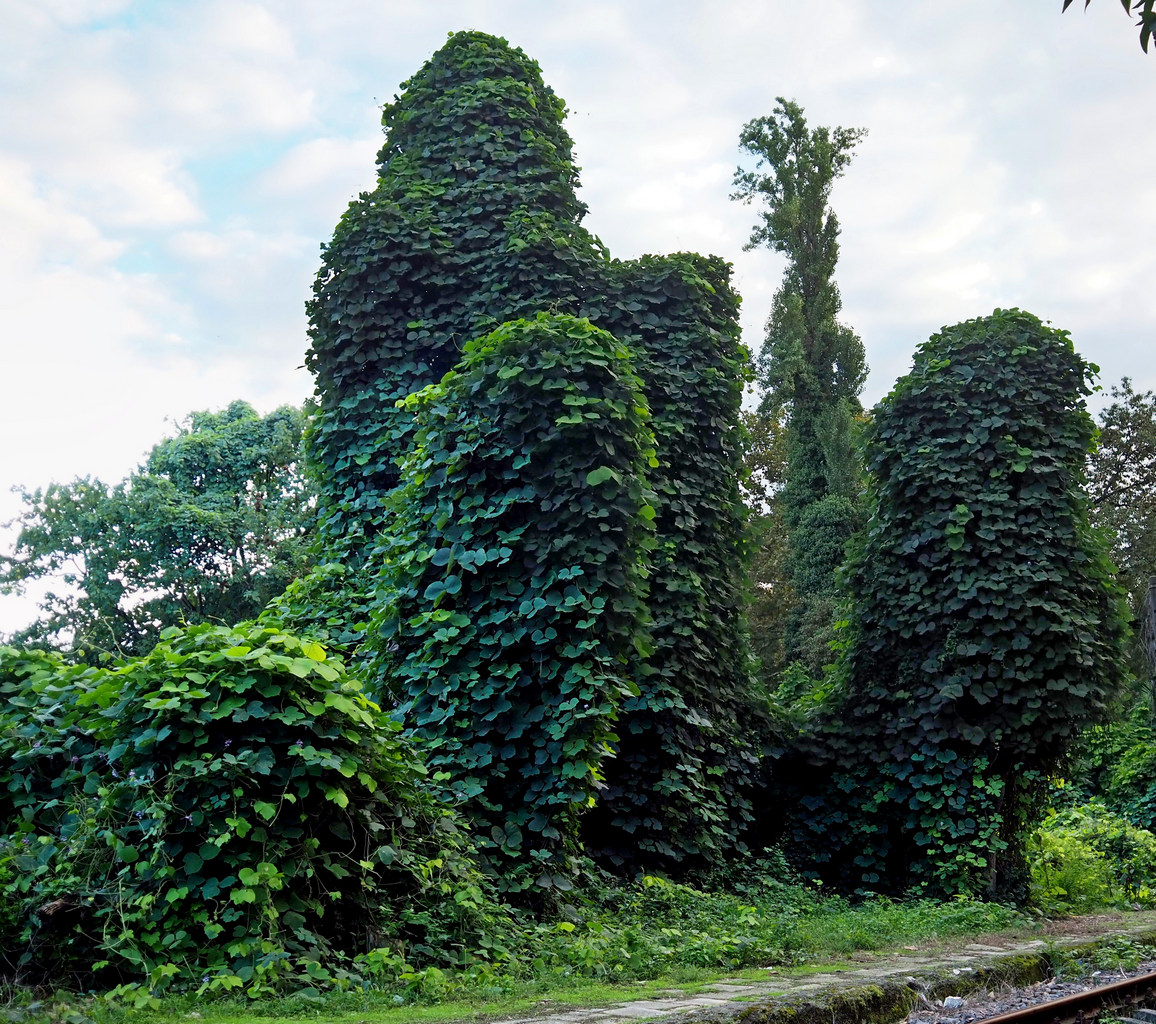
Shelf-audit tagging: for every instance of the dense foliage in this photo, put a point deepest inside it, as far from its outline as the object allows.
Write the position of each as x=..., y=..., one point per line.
x=678, y=792
x=209, y=529
x=987, y=630
x=1122, y=485
x=770, y=596
x=475, y=223
x=1132, y=787
x=511, y=590
x=229, y=811
x=1085, y=857
x=532, y=552
x=811, y=366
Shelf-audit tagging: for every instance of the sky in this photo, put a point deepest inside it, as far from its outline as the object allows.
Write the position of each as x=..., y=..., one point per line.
x=170, y=168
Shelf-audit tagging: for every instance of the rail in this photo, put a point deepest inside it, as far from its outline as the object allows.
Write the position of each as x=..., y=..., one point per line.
x=1083, y=1007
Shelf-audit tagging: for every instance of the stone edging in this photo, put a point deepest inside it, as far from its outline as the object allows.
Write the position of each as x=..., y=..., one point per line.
x=890, y=1000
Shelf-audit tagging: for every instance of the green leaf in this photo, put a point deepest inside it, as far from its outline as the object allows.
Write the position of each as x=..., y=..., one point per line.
x=601, y=475
x=265, y=809
x=315, y=652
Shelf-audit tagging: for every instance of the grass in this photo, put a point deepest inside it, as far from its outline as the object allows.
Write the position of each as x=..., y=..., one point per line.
x=634, y=942
x=358, y=1008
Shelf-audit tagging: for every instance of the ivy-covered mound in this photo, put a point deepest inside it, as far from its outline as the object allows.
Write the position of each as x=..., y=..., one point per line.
x=228, y=811
x=475, y=223
x=987, y=629
x=512, y=582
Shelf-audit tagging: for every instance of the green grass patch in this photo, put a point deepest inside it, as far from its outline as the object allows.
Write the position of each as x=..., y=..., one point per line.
x=638, y=941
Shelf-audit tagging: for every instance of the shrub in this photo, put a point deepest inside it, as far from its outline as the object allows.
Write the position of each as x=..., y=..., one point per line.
x=1132, y=788
x=230, y=810
x=1086, y=856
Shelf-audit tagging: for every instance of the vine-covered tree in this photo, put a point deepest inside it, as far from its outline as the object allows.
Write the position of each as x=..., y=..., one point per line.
x=811, y=365
x=989, y=630
x=678, y=793
x=213, y=526
x=474, y=223
x=513, y=582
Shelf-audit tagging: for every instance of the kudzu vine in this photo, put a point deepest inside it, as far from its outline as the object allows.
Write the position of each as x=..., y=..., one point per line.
x=987, y=626
x=511, y=595
x=227, y=812
x=475, y=223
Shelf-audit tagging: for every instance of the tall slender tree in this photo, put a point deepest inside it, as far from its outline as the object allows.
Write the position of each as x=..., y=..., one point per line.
x=811, y=365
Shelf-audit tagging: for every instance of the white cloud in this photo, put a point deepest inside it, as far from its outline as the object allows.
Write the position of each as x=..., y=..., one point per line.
x=320, y=177
x=167, y=173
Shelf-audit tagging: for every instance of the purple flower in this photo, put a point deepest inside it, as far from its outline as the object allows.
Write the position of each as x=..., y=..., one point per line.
x=300, y=743
x=228, y=744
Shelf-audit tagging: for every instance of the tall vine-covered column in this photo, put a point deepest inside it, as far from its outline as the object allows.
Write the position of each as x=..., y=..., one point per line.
x=988, y=628
x=475, y=223
x=512, y=584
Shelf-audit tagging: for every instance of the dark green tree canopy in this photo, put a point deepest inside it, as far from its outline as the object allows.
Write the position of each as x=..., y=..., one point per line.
x=212, y=526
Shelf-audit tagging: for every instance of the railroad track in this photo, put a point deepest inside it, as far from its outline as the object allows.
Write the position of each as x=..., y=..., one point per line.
x=1085, y=1007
